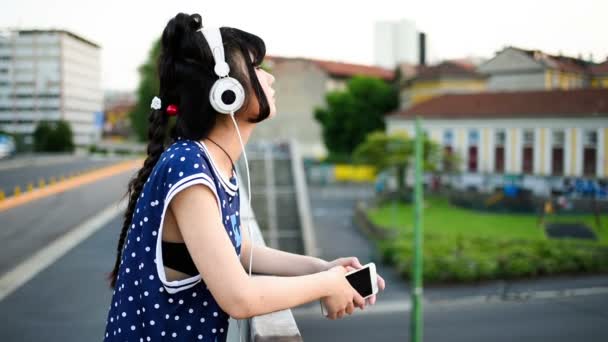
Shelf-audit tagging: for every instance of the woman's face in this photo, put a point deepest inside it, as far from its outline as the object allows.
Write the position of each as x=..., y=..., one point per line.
x=266, y=80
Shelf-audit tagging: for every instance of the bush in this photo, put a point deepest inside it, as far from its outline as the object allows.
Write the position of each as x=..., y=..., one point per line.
x=53, y=136
x=466, y=259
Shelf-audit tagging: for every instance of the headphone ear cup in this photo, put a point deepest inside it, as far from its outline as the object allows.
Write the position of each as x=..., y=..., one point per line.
x=227, y=95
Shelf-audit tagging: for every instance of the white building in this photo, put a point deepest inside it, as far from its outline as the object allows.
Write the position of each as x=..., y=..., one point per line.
x=50, y=75
x=397, y=43
x=537, y=133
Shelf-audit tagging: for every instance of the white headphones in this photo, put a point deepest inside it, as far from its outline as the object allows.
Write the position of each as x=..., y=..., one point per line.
x=227, y=94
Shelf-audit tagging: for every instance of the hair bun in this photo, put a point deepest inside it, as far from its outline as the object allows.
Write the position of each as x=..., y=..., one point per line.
x=196, y=22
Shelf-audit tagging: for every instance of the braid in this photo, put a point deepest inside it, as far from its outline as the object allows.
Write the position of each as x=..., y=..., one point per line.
x=156, y=135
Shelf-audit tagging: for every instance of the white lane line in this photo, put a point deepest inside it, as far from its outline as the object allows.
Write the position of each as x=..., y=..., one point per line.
x=405, y=305
x=378, y=308
x=36, y=161
x=25, y=271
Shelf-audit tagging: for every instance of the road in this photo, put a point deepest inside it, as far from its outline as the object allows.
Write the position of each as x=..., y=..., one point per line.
x=21, y=173
x=454, y=313
x=68, y=301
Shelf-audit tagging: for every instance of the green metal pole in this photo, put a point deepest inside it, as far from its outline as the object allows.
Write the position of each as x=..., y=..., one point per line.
x=416, y=318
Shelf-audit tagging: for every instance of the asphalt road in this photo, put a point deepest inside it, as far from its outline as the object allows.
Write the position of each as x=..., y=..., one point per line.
x=26, y=174
x=68, y=301
x=28, y=228
x=558, y=319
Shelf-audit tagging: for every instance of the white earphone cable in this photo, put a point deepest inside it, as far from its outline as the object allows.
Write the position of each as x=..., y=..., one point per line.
x=249, y=208
x=248, y=193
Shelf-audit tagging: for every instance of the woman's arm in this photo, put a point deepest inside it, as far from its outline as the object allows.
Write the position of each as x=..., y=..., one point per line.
x=272, y=261
x=241, y=296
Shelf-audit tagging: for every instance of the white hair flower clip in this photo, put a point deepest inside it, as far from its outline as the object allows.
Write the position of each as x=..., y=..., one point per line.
x=156, y=104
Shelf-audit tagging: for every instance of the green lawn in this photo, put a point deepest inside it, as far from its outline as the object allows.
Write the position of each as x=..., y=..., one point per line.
x=440, y=217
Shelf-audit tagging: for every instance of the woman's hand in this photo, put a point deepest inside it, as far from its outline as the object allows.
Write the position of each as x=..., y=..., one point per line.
x=355, y=264
x=343, y=297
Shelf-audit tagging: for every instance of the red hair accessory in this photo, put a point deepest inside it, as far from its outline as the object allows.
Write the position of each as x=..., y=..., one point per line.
x=172, y=110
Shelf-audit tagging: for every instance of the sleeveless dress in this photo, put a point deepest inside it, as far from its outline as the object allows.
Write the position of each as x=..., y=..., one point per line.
x=145, y=305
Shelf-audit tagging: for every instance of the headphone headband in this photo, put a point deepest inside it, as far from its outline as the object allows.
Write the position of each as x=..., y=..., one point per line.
x=214, y=39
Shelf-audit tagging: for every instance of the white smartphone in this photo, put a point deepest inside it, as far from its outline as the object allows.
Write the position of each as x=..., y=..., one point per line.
x=364, y=280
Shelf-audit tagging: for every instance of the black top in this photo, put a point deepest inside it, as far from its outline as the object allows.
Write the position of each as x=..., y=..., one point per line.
x=177, y=257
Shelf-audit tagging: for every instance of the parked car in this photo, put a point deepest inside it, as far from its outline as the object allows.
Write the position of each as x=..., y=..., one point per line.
x=7, y=146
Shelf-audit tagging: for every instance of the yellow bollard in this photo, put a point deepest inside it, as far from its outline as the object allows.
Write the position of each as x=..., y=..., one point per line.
x=30, y=187
x=2, y=196
x=62, y=178
x=17, y=191
x=52, y=181
x=41, y=183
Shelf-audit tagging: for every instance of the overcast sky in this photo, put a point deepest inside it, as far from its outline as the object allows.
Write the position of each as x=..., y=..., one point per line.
x=335, y=30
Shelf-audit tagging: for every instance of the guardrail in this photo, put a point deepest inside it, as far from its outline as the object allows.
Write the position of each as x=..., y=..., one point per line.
x=276, y=326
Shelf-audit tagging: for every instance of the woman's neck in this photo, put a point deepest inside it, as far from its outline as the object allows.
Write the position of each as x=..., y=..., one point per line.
x=224, y=134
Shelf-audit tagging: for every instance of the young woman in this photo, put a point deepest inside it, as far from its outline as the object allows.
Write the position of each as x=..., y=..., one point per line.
x=183, y=255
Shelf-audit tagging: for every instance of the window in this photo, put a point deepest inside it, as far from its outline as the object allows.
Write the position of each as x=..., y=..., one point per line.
x=559, y=138
x=448, y=137
x=557, y=152
x=589, y=152
x=528, y=137
x=472, y=165
x=473, y=137
x=590, y=138
x=528, y=151
x=500, y=138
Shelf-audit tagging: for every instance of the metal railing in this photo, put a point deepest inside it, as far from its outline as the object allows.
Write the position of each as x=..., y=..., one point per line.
x=279, y=325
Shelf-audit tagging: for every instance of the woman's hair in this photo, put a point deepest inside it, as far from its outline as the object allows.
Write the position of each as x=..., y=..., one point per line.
x=185, y=71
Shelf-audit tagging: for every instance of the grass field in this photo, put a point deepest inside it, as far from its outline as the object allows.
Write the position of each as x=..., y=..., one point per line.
x=440, y=217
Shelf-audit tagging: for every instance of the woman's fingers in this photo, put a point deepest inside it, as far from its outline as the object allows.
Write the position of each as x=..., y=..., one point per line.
x=340, y=314
x=350, y=308
x=358, y=300
x=381, y=283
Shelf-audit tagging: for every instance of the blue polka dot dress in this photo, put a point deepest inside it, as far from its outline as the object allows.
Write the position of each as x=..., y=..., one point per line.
x=145, y=305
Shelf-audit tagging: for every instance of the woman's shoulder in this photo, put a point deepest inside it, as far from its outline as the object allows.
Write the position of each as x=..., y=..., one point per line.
x=183, y=160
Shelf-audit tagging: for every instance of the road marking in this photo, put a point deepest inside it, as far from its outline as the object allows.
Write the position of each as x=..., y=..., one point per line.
x=75, y=182
x=35, y=264
x=36, y=161
x=398, y=306
x=378, y=308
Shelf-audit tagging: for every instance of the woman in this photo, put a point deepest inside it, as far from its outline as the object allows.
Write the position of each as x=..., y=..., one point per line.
x=181, y=257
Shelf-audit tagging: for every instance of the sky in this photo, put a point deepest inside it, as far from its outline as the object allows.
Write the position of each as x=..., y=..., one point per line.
x=334, y=30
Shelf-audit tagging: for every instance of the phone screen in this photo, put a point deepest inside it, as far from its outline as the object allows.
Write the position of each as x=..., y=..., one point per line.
x=361, y=281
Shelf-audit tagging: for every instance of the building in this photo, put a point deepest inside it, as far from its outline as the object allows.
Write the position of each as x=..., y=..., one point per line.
x=599, y=74
x=50, y=75
x=116, y=108
x=515, y=69
x=449, y=77
x=301, y=85
x=542, y=133
x=398, y=42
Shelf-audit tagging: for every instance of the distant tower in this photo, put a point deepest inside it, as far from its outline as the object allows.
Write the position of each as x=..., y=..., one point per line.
x=397, y=43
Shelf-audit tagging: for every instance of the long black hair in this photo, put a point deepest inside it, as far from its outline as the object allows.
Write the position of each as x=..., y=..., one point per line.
x=185, y=71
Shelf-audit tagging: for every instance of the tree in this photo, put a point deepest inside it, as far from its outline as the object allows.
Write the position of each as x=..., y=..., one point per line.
x=395, y=151
x=351, y=114
x=53, y=137
x=147, y=89
x=41, y=135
